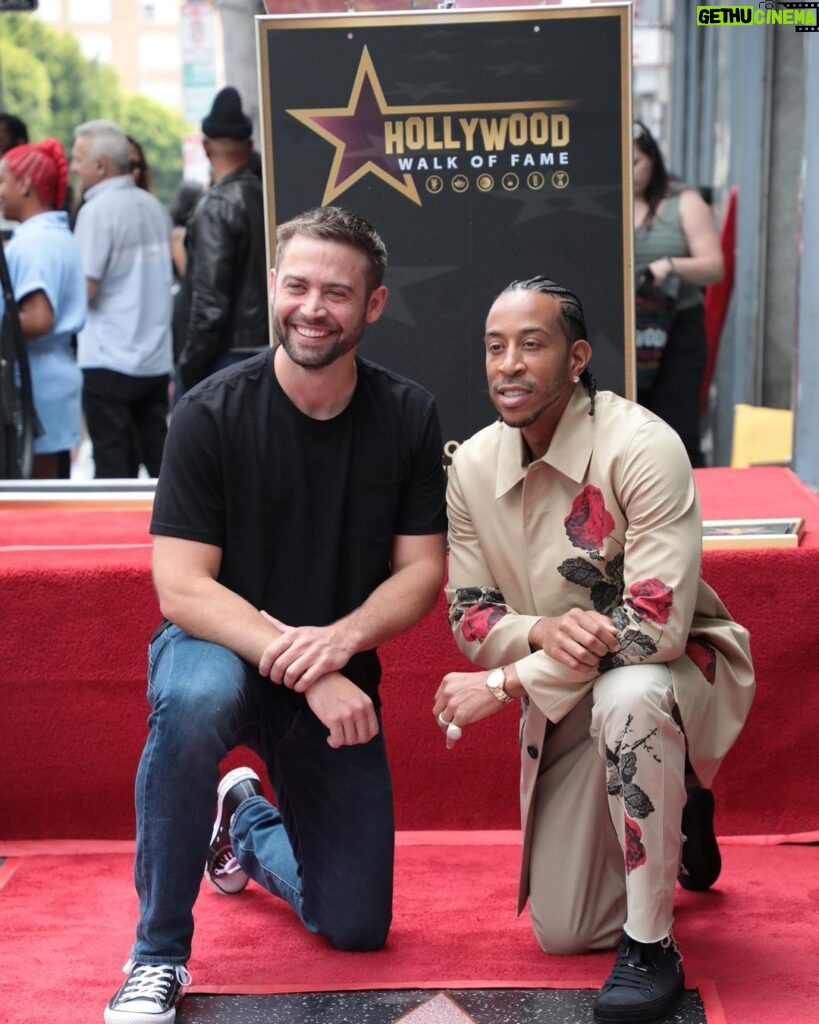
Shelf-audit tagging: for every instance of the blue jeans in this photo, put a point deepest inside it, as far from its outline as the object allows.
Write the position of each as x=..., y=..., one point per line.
x=328, y=848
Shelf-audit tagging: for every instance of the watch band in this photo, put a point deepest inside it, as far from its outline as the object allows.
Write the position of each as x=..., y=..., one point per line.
x=498, y=689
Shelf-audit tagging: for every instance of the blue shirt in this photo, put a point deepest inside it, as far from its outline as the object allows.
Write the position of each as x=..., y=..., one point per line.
x=43, y=256
x=124, y=234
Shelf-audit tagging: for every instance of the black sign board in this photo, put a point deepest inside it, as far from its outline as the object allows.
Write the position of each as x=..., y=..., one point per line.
x=484, y=146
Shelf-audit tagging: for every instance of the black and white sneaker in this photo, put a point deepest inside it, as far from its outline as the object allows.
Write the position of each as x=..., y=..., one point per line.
x=644, y=985
x=149, y=995
x=222, y=869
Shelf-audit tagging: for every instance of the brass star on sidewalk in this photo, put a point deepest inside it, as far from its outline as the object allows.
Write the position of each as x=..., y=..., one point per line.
x=357, y=134
x=441, y=1009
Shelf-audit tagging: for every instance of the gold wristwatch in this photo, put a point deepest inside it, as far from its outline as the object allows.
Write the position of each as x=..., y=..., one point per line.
x=495, y=681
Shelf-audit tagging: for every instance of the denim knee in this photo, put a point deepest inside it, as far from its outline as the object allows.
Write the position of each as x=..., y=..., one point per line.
x=196, y=689
x=358, y=935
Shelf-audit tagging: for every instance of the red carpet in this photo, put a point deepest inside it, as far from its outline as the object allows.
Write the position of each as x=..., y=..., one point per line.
x=79, y=606
x=750, y=946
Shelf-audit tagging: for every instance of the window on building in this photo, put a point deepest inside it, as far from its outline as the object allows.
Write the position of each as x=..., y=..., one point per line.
x=95, y=46
x=158, y=52
x=162, y=12
x=96, y=12
x=50, y=10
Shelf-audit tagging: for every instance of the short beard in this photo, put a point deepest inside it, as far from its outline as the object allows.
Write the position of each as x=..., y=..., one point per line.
x=523, y=424
x=317, y=359
x=549, y=399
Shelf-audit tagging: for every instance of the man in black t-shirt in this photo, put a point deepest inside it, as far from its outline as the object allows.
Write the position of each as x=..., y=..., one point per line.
x=299, y=521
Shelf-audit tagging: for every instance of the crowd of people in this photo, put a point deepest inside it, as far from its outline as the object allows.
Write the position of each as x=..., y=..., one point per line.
x=196, y=299
x=125, y=304
x=302, y=518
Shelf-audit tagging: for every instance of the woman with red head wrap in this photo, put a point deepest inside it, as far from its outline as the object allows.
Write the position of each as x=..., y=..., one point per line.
x=49, y=286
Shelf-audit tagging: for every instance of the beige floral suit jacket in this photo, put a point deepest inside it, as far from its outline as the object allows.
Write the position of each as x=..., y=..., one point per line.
x=607, y=519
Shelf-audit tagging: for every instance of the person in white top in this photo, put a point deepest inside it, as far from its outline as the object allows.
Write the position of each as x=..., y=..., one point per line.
x=125, y=348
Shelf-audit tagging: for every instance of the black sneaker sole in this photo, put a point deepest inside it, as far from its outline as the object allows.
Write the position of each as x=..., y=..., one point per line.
x=701, y=859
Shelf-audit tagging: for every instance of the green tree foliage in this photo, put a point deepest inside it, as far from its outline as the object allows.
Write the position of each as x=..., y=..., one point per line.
x=46, y=80
x=21, y=74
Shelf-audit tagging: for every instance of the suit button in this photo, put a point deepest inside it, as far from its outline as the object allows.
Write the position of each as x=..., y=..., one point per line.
x=532, y=751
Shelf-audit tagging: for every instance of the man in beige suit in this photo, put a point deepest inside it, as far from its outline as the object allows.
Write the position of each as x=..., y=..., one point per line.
x=575, y=549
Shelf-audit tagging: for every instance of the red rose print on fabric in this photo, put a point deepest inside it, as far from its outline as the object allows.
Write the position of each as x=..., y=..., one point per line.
x=478, y=620
x=635, y=852
x=589, y=522
x=621, y=769
x=651, y=599
x=704, y=656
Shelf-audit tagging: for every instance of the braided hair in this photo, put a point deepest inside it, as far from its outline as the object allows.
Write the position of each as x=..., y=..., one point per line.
x=46, y=164
x=571, y=314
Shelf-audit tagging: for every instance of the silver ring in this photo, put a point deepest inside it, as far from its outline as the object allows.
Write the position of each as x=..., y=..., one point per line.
x=454, y=732
x=444, y=722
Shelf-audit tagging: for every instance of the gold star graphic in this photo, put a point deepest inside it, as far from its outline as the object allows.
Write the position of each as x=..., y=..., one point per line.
x=357, y=134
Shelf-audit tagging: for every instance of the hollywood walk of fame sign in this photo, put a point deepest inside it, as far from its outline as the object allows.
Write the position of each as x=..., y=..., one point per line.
x=484, y=146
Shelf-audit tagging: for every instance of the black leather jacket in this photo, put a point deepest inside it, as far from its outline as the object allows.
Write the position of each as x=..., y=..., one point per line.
x=225, y=285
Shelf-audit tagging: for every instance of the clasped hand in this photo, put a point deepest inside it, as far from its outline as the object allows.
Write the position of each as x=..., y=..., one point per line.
x=306, y=659
x=345, y=710
x=578, y=639
x=301, y=655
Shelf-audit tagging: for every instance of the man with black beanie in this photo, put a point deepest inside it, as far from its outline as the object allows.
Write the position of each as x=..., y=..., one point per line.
x=225, y=287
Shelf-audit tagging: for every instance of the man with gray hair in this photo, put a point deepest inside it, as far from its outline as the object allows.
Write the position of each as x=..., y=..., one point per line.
x=125, y=349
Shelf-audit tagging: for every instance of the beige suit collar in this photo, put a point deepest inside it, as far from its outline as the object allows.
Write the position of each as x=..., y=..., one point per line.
x=569, y=452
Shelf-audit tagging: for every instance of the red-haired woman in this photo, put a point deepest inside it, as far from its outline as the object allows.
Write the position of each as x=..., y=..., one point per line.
x=49, y=286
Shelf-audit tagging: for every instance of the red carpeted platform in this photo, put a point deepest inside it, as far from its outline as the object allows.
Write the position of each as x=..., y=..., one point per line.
x=750, y=945
x=78, y=608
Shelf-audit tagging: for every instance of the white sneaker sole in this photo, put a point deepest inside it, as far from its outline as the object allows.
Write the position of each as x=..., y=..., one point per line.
x=225, y=785
x=138, y=1016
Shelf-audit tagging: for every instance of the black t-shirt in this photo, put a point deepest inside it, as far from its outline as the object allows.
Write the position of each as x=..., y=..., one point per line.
x=304, y=510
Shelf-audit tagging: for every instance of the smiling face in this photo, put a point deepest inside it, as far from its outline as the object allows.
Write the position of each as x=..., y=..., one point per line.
x=530, y=363
x=321, y=300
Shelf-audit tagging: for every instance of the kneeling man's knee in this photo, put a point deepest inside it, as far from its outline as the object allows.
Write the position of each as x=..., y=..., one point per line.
x=358, y=936
x=573, y=942
x=625, y=690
